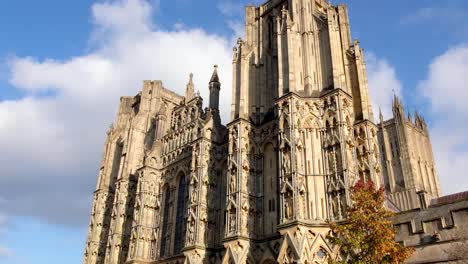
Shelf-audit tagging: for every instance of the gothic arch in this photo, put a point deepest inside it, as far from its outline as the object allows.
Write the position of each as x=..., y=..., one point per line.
x=311, y=121
x=181, y=171
x=268, y=141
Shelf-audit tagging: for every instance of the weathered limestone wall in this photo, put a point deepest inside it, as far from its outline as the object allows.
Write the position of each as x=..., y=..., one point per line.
x=438, y=233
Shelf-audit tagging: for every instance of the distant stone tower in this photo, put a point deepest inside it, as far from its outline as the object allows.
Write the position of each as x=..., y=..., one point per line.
x=409, y=170
x=177, y=186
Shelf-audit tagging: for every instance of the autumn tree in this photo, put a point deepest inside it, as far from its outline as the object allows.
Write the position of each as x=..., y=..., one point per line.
x=367, y=235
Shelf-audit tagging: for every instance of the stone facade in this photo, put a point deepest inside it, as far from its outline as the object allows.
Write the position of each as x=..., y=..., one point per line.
x=177, y=186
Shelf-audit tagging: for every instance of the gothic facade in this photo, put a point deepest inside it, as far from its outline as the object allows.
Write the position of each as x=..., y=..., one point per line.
x=177, y=186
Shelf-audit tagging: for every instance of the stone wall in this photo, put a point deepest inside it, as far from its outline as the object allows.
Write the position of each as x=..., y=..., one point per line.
x=439, y=233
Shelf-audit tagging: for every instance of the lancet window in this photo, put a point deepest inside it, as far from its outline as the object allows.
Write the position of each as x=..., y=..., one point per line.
x=180, y=216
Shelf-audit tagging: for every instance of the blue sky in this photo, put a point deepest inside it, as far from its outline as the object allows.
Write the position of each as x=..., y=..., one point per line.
x=64, y=64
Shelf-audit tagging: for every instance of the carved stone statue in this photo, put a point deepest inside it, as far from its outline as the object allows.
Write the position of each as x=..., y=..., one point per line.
x=286, y=162
x=245, y=221
x=232, y=183
x=288, y=206
x=232, y=223
x=191, y=234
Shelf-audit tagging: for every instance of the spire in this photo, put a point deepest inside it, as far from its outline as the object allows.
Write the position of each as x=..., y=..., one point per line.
x=214, y=77
x=189, y=91
x=396, y=101
x=215, y=86
x=381, y=116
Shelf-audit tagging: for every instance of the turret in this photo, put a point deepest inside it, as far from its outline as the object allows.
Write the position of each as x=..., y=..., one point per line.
x=381, y=117
x=398, y=110
x=215, y=86
x=190, y=91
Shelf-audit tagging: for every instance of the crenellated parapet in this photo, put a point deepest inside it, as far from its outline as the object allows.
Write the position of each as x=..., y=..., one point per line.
x=436, y=232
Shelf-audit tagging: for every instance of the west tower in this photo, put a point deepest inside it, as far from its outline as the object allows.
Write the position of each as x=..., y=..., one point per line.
x=302, y=130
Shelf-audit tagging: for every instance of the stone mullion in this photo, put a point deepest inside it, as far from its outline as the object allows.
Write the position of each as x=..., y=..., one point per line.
x=157, y=222
x=239, y=189
x=111, y=240
x=290, y=34
x=292, y=139
x=324, y=174
x=328, y=171
x=227, y=217
x=372, y=162
x=200, y=188
x=191, y=190
x=116, y=230
x=143, y=223
x=122, y=203
x=236, y=158
x=260, y=188
x=375, y=162
x=137, y=227
x=95, y=231
x=171, y=222
x=343, y=148
x=282, y=138
x=368, y=151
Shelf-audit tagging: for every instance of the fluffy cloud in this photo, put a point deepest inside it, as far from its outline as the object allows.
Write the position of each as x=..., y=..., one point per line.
x=383, y=84
x=230, y=8
x=447, y=13
x=445, y=88
x=53, y=137
x=4, y=251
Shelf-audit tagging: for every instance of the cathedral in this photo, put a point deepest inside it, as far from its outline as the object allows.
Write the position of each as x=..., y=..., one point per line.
x=177, y=186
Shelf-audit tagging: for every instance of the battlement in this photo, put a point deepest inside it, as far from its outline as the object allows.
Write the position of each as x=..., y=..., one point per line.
x=436, y=231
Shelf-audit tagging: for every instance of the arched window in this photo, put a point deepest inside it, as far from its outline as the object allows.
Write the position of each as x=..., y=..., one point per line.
x=180, y=216
x=165, y=236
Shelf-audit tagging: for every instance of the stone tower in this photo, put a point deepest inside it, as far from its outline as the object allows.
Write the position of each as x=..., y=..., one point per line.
x=177, y=186
x=408, y=163
x=302, y=130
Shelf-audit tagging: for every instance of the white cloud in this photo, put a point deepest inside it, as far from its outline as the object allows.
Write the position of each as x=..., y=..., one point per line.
x=439, y=17
x=383, y=84
x=230, y=8
x=51, y=145
x=5, y=252
x=4, y=225
x=238, y=28
x=419, y=15
x=446, y=89
x=446, y=13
